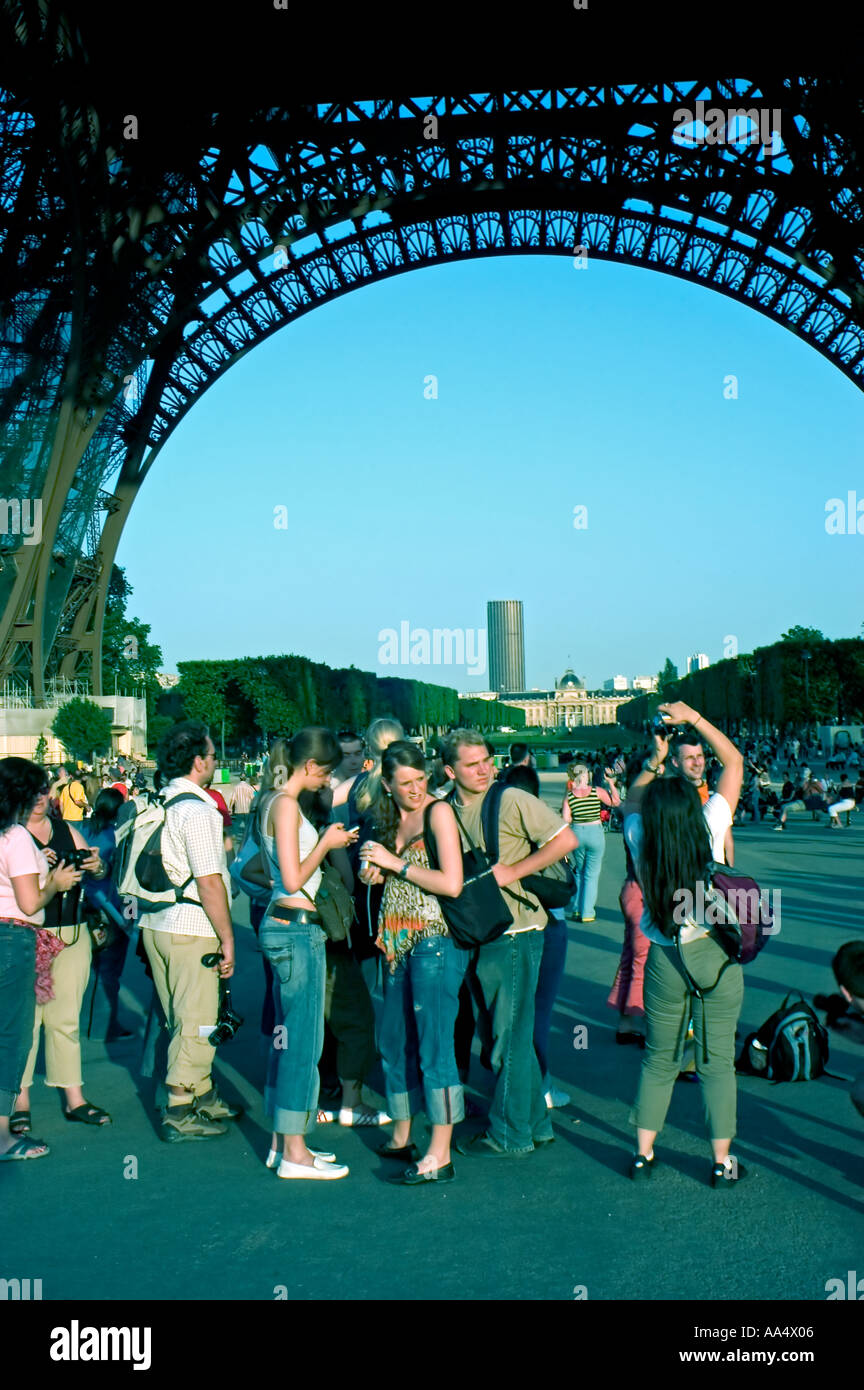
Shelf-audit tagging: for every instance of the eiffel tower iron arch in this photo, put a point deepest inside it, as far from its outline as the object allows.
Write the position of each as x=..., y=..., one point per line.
x=300, y=207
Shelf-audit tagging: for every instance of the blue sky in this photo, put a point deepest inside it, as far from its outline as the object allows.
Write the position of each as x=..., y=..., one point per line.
x=557, y=388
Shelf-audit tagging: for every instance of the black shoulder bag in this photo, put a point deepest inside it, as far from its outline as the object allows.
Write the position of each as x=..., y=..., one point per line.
x=480, y=914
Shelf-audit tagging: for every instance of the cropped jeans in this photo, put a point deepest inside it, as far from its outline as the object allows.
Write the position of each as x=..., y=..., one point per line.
x=586, y=861
x=296, y=952
x=421, y=1001
x=17, y=1008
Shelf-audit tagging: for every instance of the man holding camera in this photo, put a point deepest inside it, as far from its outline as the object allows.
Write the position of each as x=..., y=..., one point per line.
x=686, y=755
x=198, y=924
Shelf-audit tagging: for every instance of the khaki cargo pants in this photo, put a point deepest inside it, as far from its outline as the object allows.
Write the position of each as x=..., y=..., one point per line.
x=189, y=995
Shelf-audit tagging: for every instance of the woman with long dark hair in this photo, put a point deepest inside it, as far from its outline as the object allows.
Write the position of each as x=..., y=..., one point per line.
x=424, y=967
x=670, y=839
x=355, y=802
x=294, y=941
x=27, y=887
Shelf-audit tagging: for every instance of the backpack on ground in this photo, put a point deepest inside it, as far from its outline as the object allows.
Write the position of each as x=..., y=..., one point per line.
x=138, y=870
x=791, y=1045
x=554, y=886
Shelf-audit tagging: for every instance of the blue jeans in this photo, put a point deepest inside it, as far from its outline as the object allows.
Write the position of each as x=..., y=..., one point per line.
x=17, y=1008
x=548, y=985
x=421, y=1001
x=296, y=952
x=508, y=970
x=586, y=861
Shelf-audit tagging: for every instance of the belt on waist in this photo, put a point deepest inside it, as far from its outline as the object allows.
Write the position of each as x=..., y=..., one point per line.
x=301, y=915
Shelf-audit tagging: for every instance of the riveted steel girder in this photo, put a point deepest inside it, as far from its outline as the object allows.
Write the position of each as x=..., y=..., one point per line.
x=133, y=274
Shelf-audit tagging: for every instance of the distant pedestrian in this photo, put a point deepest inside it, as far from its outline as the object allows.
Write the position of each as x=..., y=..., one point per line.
x=582, y=808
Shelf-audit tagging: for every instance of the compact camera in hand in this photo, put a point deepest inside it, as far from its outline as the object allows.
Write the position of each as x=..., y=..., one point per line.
x=227, y=1021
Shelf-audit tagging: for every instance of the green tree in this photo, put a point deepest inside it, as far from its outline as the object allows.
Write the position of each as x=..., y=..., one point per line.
x=129, y=658
x=83, y=727
x=41, y=749
x=803, y=635
x=667, y=681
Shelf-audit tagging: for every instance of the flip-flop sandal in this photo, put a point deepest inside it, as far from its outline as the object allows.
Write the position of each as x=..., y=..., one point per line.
x=19, y=1122
x=325, y=1117
x=88, y=1114
x=22, y=1150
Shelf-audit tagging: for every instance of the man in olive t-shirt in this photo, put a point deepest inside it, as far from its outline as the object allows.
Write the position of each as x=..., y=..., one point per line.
x=507, y=969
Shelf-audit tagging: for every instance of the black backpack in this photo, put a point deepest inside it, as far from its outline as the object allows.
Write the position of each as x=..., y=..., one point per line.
x=791, y=1045
x=553, y=886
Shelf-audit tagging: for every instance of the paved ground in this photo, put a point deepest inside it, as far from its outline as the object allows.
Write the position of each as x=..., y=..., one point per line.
x=207, y=1220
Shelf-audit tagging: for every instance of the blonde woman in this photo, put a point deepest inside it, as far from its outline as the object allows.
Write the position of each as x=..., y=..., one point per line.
x=581, y=809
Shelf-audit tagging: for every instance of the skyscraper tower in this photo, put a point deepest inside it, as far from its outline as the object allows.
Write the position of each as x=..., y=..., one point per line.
x=506, y=645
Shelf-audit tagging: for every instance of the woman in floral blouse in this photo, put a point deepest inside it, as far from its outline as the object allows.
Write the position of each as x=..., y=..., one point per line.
x=421, y=985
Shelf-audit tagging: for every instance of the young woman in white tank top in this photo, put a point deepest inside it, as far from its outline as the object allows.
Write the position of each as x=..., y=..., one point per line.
x=292, y=938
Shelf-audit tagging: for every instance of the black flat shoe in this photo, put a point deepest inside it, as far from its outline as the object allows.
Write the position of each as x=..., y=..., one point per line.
x=411, y=1178
x=721, y=1176
x=409, y=1154
x=641, y=1167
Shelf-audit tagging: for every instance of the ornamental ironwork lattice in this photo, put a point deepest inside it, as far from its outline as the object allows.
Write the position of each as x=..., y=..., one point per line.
x=130, y=281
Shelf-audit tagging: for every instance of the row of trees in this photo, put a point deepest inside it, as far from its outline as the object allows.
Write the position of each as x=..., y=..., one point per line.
x=248, y=700
x=804, y=678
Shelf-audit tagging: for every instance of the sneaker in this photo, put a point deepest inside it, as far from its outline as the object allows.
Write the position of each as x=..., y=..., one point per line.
x=363, y=1117
x=588, y=919
x=778, y=828
x=182, y=1122
x=213, y=1107
x=556, y=1099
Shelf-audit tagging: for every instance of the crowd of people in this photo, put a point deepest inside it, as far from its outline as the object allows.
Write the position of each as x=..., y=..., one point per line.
x=361, y=856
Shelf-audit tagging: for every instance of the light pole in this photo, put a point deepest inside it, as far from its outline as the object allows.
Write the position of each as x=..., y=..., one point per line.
x=805, y=657
x=262, y=672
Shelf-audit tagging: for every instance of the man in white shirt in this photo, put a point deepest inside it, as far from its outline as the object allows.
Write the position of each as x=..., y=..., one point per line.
x=193, y=855
x=687, y=760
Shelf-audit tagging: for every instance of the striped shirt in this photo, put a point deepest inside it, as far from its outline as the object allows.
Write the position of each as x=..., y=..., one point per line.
x=585, y=809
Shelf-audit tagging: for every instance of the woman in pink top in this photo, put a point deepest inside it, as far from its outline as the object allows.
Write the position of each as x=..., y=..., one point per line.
x=27, y=885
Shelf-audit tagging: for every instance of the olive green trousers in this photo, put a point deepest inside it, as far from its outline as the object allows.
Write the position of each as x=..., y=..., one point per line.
x=668, y=1010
